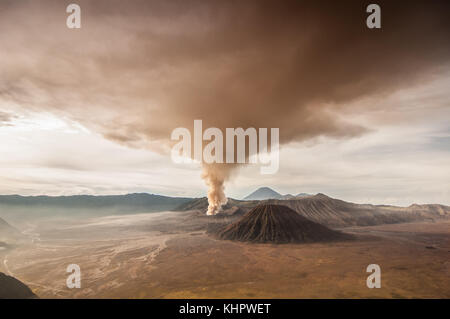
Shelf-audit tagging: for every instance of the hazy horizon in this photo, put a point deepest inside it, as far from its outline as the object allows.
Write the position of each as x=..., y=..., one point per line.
x=204, y=196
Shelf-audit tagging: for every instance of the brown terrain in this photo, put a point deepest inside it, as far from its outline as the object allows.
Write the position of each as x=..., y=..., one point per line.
x=176, y=254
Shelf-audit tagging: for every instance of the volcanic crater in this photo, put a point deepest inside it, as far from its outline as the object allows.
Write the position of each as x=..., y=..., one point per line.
x=271, y=223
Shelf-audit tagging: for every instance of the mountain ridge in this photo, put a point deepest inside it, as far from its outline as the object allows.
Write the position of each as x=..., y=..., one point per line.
x=333, y=212
x=15, y=207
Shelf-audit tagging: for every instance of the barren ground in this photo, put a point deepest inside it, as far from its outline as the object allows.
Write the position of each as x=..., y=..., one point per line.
x=168, y=255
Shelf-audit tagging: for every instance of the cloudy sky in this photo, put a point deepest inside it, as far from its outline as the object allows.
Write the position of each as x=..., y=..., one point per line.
x=364, y=115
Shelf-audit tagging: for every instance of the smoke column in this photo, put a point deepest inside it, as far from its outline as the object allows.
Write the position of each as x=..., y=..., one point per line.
x=215, y=176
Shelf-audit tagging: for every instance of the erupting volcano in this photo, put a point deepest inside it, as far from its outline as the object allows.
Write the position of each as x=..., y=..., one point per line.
x=215, y=176
x=271, y=223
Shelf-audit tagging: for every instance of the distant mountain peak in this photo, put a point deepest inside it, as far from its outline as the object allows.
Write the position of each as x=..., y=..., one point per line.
x=321, y=195
x=302, y=195
x=263, y=193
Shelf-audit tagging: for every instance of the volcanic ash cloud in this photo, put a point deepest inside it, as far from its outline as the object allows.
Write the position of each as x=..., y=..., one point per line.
x=137, y=70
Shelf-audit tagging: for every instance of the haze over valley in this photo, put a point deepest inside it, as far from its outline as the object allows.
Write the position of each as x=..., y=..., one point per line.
x=183, y=253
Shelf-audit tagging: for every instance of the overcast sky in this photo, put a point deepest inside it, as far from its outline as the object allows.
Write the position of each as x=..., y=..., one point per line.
x=363, y=116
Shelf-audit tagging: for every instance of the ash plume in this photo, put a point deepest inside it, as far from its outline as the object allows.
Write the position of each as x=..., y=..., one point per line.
x=215, y=176
x=138, y=69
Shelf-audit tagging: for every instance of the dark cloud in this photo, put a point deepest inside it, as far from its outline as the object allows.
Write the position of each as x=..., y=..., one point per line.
x=138, y=69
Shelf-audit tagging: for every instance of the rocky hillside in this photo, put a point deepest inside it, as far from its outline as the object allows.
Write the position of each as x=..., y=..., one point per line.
x=269, y=223
x=11, y=288
x=263, y=193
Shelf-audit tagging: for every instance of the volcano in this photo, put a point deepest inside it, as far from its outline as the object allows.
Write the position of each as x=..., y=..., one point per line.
x=263, y=193
x=271, y=223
